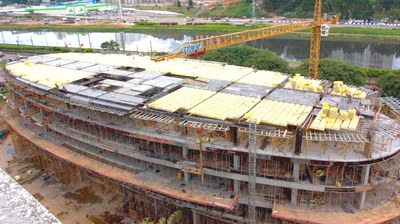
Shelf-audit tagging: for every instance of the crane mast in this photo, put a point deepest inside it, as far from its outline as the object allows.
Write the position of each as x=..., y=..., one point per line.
x=199, y=46
x=315, y=41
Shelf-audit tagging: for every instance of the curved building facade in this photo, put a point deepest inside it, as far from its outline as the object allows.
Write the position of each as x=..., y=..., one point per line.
x=202, y=142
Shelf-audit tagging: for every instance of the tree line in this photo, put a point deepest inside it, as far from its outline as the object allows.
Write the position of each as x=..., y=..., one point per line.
x=329, y=69
x=354, y=9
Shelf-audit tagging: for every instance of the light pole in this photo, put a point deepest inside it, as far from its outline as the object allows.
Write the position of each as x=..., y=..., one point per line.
x=33, y=48
x=18, y=44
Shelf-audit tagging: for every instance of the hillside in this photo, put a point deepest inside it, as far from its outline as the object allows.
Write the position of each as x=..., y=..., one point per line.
x=241, y=8
x=355, y=9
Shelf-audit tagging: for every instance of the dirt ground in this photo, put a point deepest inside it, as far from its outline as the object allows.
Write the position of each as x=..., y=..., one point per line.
x=70, y=204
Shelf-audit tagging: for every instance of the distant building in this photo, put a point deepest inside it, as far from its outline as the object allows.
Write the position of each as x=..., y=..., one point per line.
x=71, y=9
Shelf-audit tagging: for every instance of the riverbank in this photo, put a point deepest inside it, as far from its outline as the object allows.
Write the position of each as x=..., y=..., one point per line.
x=365, y=38
x=358, y=33
x=343, y=33
x=145, y=27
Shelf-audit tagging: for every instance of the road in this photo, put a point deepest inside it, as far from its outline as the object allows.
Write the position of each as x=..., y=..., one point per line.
x=131, y=17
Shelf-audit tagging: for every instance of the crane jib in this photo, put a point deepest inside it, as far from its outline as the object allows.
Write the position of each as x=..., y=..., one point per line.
x=191, y=48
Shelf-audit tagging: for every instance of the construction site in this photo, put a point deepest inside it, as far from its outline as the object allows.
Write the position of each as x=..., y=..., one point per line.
x=172, y=140
x=188, y=141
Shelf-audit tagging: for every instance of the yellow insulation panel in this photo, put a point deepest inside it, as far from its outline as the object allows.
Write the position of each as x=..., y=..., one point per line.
x=264, y=78
x=183, y=98
x=279, y=113
x=116, y=60
x=46, y=75
x=349, y=91
x=322, y=122
x=145, y=63
x=224, y=106
x=192, y=68
x=299, y=82
x=229, y=73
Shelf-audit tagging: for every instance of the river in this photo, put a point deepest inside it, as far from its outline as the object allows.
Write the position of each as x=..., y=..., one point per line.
x=364, y=54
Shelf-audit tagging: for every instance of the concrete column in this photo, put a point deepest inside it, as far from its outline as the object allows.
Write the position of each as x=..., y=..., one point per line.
x=296, y=177
x=365, y=178
x=184, y=152
x=156, y=206
x=195, y=221
x=186, y=176
x=296, y=171
x=185, y=156
x=236, y=166
x=81, y=175
x=293, y=197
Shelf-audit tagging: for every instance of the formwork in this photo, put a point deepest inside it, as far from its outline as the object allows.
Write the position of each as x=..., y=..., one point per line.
x=174, y=136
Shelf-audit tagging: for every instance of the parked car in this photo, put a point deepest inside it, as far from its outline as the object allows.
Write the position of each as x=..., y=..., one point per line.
x=1, y=54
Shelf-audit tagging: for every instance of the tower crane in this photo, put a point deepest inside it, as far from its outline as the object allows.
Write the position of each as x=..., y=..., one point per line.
x=200, y=46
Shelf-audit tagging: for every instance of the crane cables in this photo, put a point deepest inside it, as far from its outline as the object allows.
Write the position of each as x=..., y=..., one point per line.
x=283, y=6
x=299, y=8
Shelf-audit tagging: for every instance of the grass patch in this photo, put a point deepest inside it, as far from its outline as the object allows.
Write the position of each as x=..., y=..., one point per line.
x=353, y=33
x=13, y=48
x=144, y=28
x=185, y=11
x=235, y=9
x=361, y=30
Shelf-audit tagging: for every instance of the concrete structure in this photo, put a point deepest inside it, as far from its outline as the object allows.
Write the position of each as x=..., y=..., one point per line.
x=72, y=9
x=171, y=138
x=19, y=206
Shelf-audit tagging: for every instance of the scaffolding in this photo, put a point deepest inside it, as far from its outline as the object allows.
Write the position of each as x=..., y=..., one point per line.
x=252, y=171
x=209, y=167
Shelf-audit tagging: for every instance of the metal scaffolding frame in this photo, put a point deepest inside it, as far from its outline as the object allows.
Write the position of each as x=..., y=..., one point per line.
x=148, y=116
x=270, y=133
x=335, y=137
x=206, y=126
x=252, y=171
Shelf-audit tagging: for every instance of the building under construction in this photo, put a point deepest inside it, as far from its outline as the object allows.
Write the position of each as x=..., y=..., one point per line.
x=188, y=141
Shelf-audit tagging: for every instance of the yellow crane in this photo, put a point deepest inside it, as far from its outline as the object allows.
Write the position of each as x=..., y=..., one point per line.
x=200, y=46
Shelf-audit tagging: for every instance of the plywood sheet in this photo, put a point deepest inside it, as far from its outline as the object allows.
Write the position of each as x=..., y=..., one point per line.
x=192, y=68
x=224, y=106
x=47, y=75
x=228, y=72
x=279, y=113
x=264, y=78
x=183, y=98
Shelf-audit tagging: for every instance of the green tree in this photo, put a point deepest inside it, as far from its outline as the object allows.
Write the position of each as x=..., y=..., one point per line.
x=266, y=61
x=178, y=3
x=394, y=14
x=358, y=9
x=110, y=45
x=390, y=84
x=333, y=70
x=247, y=56
x=190, y=3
